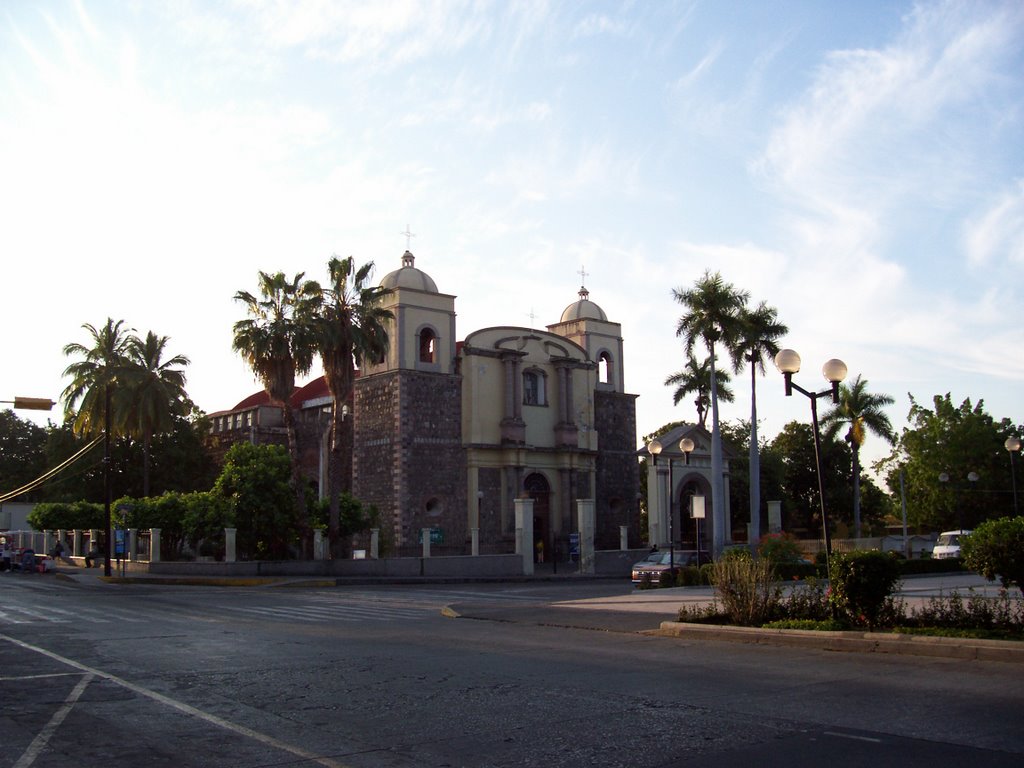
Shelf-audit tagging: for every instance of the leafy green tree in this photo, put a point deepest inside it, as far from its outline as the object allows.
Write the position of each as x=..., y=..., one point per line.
x=350, y=328
x=206, y=514
x=995, y=549
x=860, y=412
x=152, y=395
x=760, y=329
x=76, y=515
x=695, y=379
x=22, y=454
x=255, y=482
x=794, y=449
x=954, y=440
x=712, y=310
x=278, y=342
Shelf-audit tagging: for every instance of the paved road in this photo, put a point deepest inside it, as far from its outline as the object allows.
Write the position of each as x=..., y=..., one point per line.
x=126, y=675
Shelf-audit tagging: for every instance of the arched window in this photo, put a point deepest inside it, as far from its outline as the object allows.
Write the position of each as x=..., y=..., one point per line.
x=534, y=387
x=428, y=346
x=604, y=363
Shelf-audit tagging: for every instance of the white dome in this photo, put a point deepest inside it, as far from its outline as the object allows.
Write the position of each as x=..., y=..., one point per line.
x=409, y=277
x=584, y=309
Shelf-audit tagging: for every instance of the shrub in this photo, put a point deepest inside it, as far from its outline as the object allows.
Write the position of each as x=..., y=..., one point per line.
x=996, y=550
x=808, y=601
x=978, y=612
x=746, y=589
x=780, y=548
x=862, y=586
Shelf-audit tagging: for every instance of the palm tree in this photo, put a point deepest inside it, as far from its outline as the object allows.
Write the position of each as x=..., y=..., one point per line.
x=154, y=393
x=861, y=412
x=712, y=315
x=759, y=330
x=695, y=379
x=350, y=329
x=276, y=341
x=88, y=399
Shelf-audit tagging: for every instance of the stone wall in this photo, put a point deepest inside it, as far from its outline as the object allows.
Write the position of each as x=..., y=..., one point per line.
x=409, y=460
x=618, y=473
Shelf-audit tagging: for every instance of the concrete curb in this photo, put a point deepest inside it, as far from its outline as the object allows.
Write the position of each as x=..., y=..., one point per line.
x=869, y=642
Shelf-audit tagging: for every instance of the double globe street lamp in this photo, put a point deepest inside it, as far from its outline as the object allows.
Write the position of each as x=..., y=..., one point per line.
x=655, y=447
x=1012, y=446
x=834, y=371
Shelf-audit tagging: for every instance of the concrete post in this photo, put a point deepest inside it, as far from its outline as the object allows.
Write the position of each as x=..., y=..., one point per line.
x=425, y=535
x=229, y=544
x=585, y=515
x=474, y=536
x=62, y=538
x=375, y=543
x=623, y=537
x=94, y=539
x=47, y=546
x=132, y=545
x=524, y=531
x=318, y=544
x=76, y=543
x=774, y=517
x=154, y=545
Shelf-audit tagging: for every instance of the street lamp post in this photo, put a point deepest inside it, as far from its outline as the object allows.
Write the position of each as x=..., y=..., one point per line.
x=654, y=448
x=1012, y=446
x=788, y=362
x=686, y=445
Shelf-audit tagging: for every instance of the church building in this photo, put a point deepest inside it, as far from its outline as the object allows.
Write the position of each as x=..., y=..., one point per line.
x=447, y=434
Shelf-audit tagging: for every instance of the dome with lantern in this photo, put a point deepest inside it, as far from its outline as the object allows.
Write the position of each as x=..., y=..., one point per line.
x=409, y=277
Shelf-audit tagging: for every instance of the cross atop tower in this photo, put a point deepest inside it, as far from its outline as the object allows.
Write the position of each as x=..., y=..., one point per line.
x=583, y=275
x=408, y=236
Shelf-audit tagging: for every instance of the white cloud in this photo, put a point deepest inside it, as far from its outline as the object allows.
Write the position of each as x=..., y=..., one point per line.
x=998, y=233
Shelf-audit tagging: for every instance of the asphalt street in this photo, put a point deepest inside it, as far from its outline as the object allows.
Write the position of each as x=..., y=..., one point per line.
x=533, y=674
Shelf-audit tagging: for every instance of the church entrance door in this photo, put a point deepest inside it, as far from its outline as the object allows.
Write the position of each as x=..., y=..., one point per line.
x=536, y=485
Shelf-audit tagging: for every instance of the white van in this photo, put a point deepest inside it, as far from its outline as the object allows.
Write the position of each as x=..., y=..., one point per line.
x=947, y=546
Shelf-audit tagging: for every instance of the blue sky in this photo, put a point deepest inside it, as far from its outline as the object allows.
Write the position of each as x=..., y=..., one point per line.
x=859, y=166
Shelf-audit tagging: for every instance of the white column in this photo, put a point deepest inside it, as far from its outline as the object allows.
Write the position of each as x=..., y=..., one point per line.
x=154, y=545
x=132, y=545
x=425, y=534
x=774, y=517
x=229, y=544
x=318, y=544
x=375, y=543
x=653, y=507
x=76, y=546
x=623, y=537
x=524, y=531
x=585, y=522
x=474, y=535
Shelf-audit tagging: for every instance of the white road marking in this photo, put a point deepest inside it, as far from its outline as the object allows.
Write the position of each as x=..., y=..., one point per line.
x=43, y=737
x=187, y=709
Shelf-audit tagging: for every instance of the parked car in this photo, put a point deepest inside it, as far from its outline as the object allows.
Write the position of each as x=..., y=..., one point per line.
x=947, y=546
x=660, y=561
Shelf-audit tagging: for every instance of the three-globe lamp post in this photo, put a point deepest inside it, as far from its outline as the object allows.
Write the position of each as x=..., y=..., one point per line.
x=834, y=371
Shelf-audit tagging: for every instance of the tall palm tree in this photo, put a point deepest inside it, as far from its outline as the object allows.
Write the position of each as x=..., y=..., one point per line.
x=861, y=412
x=695, y=379
x=350, y=329
x=154, y=393
x=277, y=342
x=759, y=330
x=88, y=399
x=96, y=375
x=712, y=315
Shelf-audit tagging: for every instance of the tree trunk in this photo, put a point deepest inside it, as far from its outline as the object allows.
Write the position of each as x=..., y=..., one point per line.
x=301, y=513
x=856, y=488
x=755, y=463
x=717, y=487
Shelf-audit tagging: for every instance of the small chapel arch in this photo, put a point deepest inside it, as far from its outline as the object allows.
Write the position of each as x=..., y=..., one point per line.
x=428, y=345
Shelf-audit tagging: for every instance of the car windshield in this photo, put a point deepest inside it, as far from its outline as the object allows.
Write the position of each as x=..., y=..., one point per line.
x=948, y=540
